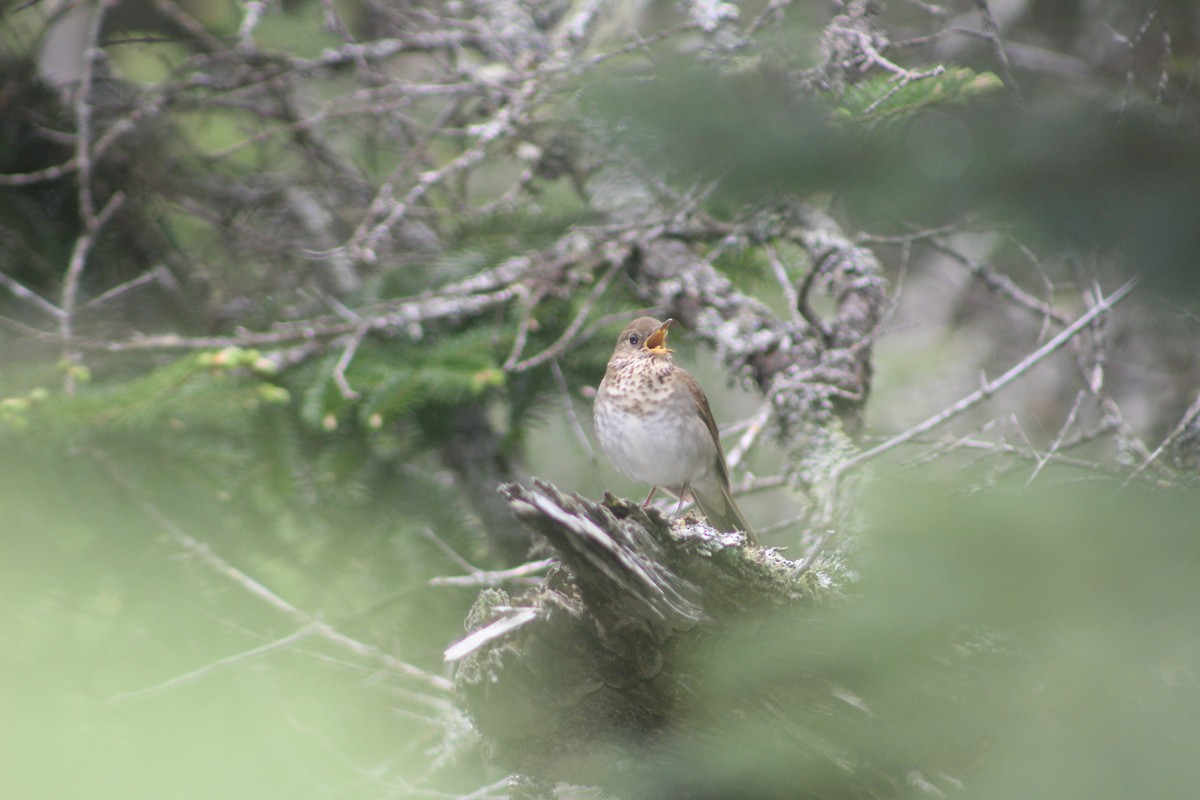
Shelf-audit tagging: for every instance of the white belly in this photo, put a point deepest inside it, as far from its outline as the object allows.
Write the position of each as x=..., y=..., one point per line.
x=657, y=448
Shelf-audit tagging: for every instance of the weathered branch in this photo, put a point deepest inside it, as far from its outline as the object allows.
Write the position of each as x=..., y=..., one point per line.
x=582, y=678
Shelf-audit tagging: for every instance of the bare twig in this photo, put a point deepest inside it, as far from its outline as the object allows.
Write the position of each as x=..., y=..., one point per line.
x=564, y=392
x=1188, y=418
x=499, y=789
x=174, y=12
x=478, y=578
x=508, y=621
x=83, y=119
x=992, y=31
x=1058, y=440
x=449, y=551
x=985, y=391
x=872, y=57
x=988, y=388
x=159, y=274
x=899, y=82
x=1001, y=284
x=940, y=449
x=815, y=549
x=228, y=661
x=70, y=292
x=398, y=314
x=31, y=297
x=969, y=443
x=343, y=362
x=753, y=428
x=568, y=336
x=252, y=13
x=785, y=284
x=529, y=301
x=40, y=175
x=91, y=222
x=930, y=8
x=369, y=234
x=802, y=304
x=774, y=9
x=784, y=524
x=310, y=625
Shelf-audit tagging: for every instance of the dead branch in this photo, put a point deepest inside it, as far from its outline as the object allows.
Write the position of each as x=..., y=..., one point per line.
x=577, y=679
x=985, y=391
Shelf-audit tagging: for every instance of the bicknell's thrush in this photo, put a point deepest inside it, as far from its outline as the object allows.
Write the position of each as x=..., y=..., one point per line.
x=655, y=425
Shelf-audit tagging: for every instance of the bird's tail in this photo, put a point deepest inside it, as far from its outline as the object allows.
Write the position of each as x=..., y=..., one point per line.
x=723, y=512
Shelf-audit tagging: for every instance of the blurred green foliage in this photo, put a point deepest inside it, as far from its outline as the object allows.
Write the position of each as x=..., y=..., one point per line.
x=1028, y=644
x=1034, y=644
x=1012, y=643
x=1068, y=170
x=102, y=601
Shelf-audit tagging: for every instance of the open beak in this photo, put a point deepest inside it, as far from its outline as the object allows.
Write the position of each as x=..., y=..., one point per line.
x=657, y=341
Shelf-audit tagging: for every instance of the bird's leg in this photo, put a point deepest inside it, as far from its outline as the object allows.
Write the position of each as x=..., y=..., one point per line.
x=650, y=496
x=682, y=494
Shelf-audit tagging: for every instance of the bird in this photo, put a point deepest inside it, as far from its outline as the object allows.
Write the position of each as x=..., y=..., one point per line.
x=654, y=423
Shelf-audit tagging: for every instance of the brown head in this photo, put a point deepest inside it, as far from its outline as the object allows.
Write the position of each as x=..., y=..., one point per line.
x=642, y=337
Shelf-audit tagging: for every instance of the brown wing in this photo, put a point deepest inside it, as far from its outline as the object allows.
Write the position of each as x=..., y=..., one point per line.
x=707, y=415
x=722, y=510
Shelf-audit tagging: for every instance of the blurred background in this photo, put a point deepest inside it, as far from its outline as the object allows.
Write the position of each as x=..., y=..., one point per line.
x=287, y=289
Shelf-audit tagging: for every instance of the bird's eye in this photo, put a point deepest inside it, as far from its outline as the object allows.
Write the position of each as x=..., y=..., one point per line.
x=633, y=339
